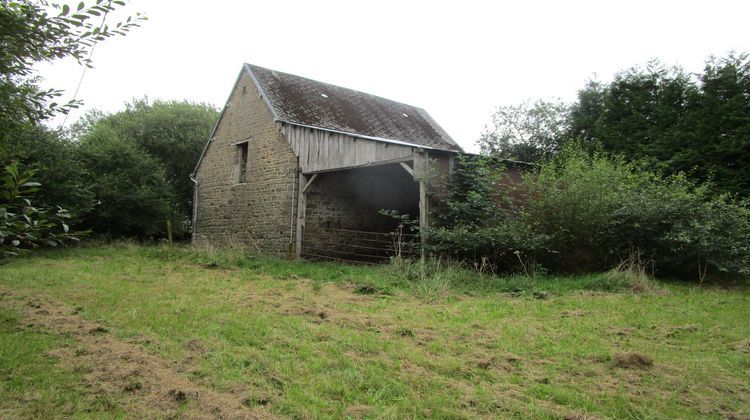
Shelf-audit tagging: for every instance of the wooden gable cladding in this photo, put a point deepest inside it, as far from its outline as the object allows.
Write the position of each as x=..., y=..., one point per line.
x=321, y=151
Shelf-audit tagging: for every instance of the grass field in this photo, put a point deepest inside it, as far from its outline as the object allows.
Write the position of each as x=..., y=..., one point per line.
x=131, y=331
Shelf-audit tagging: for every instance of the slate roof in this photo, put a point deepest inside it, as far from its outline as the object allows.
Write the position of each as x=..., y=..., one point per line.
x=301, y=101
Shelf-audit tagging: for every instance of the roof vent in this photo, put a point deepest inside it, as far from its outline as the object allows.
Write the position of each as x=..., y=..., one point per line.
x=324, y=95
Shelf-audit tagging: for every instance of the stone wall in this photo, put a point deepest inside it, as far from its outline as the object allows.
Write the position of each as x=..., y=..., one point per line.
x=255, y=214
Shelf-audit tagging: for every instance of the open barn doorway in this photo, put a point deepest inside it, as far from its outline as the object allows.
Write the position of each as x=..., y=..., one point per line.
x=343, y=219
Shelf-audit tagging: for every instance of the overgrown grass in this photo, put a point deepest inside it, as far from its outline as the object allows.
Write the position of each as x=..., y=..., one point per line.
x=432, y=278
x=320, y=340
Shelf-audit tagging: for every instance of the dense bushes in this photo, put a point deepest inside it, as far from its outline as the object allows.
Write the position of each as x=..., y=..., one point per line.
x=132, y=196
x=57, y=166
x=582, y=212
x=172, y=132
x=123, y=174
x=481, y=222
x=140, y=160
x=680, y=141
x=684, y=226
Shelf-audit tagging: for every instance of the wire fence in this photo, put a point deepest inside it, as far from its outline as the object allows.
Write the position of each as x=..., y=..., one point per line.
x=358, y=246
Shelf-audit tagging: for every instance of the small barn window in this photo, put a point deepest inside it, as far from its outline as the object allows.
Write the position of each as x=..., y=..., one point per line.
x=241, y=169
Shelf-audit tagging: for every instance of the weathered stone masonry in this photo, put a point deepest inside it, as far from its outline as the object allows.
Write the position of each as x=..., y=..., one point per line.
x=256, y=213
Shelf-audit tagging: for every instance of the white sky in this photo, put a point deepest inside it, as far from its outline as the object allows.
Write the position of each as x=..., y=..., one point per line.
x=458, y=59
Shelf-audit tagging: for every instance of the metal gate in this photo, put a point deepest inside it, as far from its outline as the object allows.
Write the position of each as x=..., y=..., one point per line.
x=357, y=246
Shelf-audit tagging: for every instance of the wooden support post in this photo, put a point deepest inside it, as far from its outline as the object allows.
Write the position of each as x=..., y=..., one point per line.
x=424, y=210
x=301, y=205
x=421, y=169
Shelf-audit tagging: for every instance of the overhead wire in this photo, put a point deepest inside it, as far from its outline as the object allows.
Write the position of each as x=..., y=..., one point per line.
x=87, y=63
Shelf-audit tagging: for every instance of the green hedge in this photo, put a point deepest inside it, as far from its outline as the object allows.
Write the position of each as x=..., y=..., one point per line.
x=583, y=213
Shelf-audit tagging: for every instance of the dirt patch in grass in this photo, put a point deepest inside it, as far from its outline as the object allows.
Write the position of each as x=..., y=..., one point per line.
x=357, y=411
x=327, y=303
x=632, y=361
x=147, y=386
x=742, y=346
x=622, y=332
x=573, y=313
x=683, y=330
x=195, y=346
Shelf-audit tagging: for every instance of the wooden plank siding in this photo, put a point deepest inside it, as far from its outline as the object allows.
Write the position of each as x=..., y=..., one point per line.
x=321, y=151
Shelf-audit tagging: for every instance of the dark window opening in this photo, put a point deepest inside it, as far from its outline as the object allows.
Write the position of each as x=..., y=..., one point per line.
x=242, y=163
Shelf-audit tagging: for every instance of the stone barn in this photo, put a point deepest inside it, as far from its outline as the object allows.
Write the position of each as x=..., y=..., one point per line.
x=297, y=167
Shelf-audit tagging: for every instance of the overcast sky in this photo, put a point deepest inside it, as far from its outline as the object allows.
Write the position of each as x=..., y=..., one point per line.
x=458, y=60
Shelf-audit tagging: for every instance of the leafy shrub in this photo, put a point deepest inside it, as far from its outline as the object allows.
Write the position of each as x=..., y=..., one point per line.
x=56, y=165
x=24, y=226
x=507, y=244
x=172, y=132
x=470, y=191
x=481, y=222
x=684, y=227
x=595, y=210
x=584, y=213
x=571, y=202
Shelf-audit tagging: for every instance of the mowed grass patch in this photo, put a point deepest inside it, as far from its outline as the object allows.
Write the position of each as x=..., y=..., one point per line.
x=304, y=339
x=33, y=384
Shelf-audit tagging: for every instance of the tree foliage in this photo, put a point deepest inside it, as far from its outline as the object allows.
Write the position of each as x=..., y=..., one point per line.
x=675, y=121
x=472, y=186
x=123, y=174
x=36, y=31
x=171, y=133
x=33, y=32
x=528, y=132
x=672, y=120
x=57, y=166
x=131, y=192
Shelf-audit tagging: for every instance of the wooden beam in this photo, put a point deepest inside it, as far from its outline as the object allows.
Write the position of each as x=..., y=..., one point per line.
x=312, y=178
x=301, y=206
x=421, y=162
x=423, y=214
x=365, y=165
x=407, y=168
